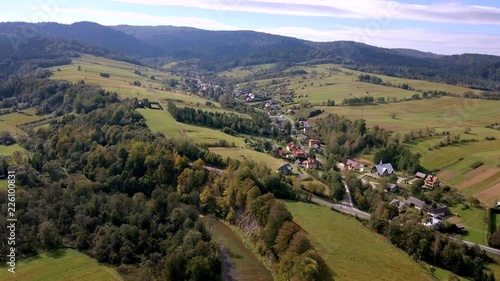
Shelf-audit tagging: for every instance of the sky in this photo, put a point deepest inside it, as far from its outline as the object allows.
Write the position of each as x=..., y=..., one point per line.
x=443, y=27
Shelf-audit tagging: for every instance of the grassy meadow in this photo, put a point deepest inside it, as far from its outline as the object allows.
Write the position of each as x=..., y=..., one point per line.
x=121, y=78
x=244, y=71
x=60, y=265
x=8, y=122
x=243, y=154
x=334, y=82
x=444, y=112
x=352, y=251
x=473, y=220
x=9, y=150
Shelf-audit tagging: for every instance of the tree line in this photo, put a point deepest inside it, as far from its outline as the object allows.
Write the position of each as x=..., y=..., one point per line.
x=217, y=120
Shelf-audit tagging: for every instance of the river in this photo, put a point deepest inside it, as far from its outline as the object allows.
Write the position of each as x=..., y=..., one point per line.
x=239, y=263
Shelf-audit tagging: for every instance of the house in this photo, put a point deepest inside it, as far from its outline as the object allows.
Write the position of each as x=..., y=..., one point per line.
x=352, y=164
x=302, y=137
x=416, y=203
x=285, y=169
x=420, y=175
x=303, y=124
x=311, y=163
x=383, y=169
x=282, y=152
x=434, y=223
x=441, y=212
x=431, y=181
x=313, y=142
x=299, y=154
x=392, y=188
x=292, y=147
x=398, y=203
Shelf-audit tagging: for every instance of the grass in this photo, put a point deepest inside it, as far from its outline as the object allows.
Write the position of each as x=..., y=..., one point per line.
x=416, y=84
x=9, y=121
x=243, y=154
x=200, y=135
x=9, y=150
x=60, y=265
x=122, y=77
x=244, y=71
x=442, y=274
x=337, y=85
x=160, y=121
x=473, y=220
x=352, y=251
x=444, y=112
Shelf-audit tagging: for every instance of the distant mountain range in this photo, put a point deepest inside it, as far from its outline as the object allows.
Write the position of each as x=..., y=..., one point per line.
x=220, y=50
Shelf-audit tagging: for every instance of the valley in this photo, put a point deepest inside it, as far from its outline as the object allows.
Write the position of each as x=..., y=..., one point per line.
x=178, y=159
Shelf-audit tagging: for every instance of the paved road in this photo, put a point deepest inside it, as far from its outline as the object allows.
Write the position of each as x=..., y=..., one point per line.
x=345, y=207
x=485, y=248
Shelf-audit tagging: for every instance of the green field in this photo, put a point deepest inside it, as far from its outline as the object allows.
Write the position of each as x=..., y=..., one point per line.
x=447, y=112
x=473, y=220
x=343, y=83
x=122, y=77
x=162, y=121
x=352, y=251
x=60, y=265
x=9, y=121
x=243, y=154
x=416, y=84
x=9, y=150
x=244, y=71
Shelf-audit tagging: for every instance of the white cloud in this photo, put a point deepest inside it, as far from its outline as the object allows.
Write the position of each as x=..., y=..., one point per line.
x=360, y=9
x=420, y=39
x=137, y=18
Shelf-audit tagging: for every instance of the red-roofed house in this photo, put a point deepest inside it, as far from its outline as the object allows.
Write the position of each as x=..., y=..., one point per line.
x=300, y=154
x=310, y=163
x=292, y=147
x=282, y=153
x=431, y=181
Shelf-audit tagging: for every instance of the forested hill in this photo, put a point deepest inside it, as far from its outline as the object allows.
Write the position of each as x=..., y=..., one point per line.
x=219, y=50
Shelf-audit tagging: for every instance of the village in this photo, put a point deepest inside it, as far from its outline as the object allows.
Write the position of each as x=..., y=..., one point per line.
x=304, y=153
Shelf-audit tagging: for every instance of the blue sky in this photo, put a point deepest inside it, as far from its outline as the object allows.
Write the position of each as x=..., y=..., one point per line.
x=445, y=27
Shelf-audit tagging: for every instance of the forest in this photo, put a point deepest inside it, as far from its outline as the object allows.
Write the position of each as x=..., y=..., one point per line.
x=232, y=123
x=100, y=181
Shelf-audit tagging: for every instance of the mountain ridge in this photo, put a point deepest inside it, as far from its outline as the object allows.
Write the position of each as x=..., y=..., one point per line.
x=220, y=50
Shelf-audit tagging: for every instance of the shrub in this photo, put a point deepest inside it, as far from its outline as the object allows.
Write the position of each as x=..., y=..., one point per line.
x=476, y=164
